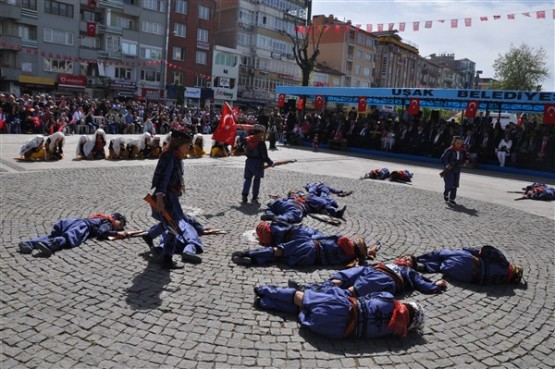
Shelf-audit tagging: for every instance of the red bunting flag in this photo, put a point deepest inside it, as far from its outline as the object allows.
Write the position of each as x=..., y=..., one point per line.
x=92, y=4
x=225, y=132
x=483, y=19
x=540, y=14
x=319, y=103
x=428, y=24
x=368, y=28
x=468, y=22
x=380, y=27
x=414, y=106
x=454, y=23
x=549, y=114
x=415, y=26
x=511, y=16
x=471, y=109
x=91, y=29
x=402, y=27
x=362, y=104
x=390, y=26
x=553, y=14
x=526, y=14
x=281, y=100
x=496, y=17
x=300, y=104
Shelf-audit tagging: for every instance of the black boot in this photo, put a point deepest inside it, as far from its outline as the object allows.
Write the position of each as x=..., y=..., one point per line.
x=341, y=212
x=245, y=199
x=148, y=240
x=168, y=263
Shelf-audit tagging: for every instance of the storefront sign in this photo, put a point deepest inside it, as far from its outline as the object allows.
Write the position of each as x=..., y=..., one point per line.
x=192, y=92
x=68, y=80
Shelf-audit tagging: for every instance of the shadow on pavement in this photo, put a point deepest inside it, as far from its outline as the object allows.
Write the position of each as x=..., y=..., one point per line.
x=463, y=209
x=148, y=286
x=247, y=209
x=494, y=290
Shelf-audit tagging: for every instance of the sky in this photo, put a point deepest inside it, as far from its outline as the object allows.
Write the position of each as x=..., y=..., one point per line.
x=482, y=42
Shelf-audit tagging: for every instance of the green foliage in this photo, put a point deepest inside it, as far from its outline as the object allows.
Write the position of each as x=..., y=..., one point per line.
x=521, y=68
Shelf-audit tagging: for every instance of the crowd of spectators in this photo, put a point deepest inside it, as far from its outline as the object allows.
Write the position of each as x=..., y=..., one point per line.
x=524, y=144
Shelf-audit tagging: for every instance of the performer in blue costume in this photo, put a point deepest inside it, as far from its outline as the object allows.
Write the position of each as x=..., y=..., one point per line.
x=452, y=159
x=480, y=265
x=539, y=191
x=274, y=233
x=257, y=156
x=309, y=247
x=72, y=232
x=298, y=204
x=393, y=277
x=334, y=313
x=322, y=189
x=168, y=187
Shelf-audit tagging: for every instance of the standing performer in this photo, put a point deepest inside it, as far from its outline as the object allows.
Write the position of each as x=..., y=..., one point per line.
x=257, y=155
x=334, y=313
x=452, y=159
x=70, y=233
x=168, y=187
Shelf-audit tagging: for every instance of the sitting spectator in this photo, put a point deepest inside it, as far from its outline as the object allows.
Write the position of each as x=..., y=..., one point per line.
x=504, y=149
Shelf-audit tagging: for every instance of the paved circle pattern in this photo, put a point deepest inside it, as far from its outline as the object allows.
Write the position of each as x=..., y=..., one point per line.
x=105, y=305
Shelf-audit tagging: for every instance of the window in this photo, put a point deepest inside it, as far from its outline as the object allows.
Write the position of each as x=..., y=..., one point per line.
x=177, y=78
x=57, y=8
x=149, y=52
x=89, y=42
x=369, y=57
x=124, y=23
x=113, y=44
x=27, y=32
x=156, y=5
x=361, y=39
x=226, y=59
x=359, y=54
x=123, y=73
x=58, y=66
x=180, y=30
x=29, y=4
x=152, y=27
x=181, y=6
x=366, y=72
x=201, y=57
x=150, y=75
x=203, y=12
x=129, y=48
x=178, y=53
x=202, y=35
x=58, y=37
x=89, y=16
x=370, y=42
x=357, y=69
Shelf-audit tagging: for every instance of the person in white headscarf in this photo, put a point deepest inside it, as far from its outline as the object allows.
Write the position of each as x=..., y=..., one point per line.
x=92, y=147
x=117, y=148
x=33, y=149
x=197, y=149
x=54, y=146
x=136, y=146
x=152, y=148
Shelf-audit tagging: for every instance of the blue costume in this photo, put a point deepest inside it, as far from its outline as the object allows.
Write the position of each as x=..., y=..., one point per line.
x=296, y=206
x=274, y=233
x=168, y=180
x=382, y=174
x=70, y=233
x=539, y=191
x=485, y=265
x=308, y=248
x=451, y=160
x=257, y=155
x=390, y=278
x=321, y=189
x=333, y=312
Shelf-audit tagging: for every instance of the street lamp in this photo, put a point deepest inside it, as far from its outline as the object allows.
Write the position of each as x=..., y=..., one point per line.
x=477, y=82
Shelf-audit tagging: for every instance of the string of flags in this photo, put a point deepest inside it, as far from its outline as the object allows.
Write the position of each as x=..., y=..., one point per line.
x=123, y=63
x=416, y=25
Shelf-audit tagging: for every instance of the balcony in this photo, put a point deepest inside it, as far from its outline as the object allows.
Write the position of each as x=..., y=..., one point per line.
x=29, y=43
x=111, y=4
x=110, y=29
x=29, y=13
x=10, y=11
x=109, y=55
x=10, y=73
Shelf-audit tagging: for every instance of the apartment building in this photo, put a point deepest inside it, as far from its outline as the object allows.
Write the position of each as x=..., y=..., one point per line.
x=259, y=30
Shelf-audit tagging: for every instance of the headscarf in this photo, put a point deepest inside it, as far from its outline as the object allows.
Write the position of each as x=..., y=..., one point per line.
x=91, y=141
x=82, y=142
x=53, y=138
x=264, y=233
x=31, y=144
x=116, y=144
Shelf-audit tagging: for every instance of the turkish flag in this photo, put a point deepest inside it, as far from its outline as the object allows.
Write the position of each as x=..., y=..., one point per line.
x=414, y=106
x=549, y=114
x=300, y=104
x=471, y=108
x=361, y=104
x=91, y=29
x=225, y=132
x=319, y=103
x=281, y=100
x=92, y=4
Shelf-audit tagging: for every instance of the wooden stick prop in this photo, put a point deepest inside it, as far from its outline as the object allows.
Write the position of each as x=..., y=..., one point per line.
x=167, y=216
x=127, y=234
x=281, y=162
x=325, y=218
x=208, y=231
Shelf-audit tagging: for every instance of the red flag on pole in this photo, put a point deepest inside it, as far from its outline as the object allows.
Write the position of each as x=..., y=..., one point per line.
x=225, y=132
x=414, y=106
x=300, y=104
x=362, y=104
x=471, y=109
x=319, y=103
x=91, y=29
x=281, y=100
x=549, y=114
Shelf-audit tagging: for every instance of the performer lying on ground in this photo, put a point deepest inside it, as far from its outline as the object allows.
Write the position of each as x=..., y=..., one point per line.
x=92, y=147
x=480, y=265
x=392, y=277
x=55, y=146
x=334, y=313
x=539, y=191
x=382, y=174
x=117, y=149
x=307, y=246
x=401, y=176
x=298, y=204
x=72, y=232
x=33, y=149
x=322, y=189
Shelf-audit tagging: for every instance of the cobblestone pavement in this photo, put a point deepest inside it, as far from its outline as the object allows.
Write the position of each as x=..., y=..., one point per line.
x=105, y=305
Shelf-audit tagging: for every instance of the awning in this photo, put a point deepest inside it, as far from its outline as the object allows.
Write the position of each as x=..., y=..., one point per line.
x=36, y=80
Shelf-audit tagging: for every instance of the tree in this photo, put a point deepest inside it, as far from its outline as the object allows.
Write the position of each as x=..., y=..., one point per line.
x=521, y=68
x=303, y=38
